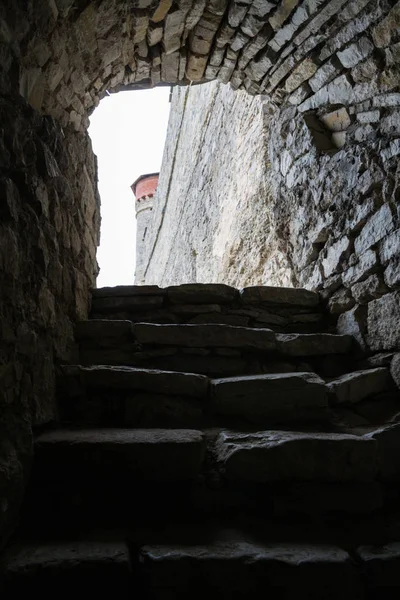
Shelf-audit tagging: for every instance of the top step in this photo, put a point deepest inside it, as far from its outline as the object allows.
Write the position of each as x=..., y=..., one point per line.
x=283, y=309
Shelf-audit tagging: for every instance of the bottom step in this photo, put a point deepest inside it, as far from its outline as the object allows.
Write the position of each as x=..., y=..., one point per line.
x=194, y=561
x=55, y=569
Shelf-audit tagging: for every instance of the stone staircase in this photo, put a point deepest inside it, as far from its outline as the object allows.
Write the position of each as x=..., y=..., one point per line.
x=212, y=440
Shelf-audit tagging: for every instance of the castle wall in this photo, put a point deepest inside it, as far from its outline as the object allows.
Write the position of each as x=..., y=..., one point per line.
x=212, y=220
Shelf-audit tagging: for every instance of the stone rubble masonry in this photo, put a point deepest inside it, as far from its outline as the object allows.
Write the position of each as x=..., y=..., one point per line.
x=270, y=188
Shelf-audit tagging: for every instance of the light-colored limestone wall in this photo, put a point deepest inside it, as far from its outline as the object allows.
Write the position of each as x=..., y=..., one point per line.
x=213, y=220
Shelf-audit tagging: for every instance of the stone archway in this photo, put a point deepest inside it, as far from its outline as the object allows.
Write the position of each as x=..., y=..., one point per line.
x=59, y=57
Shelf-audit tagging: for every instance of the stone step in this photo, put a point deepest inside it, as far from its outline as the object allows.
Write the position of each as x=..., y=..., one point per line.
x=104, y=455
x=54, y=569
x=130, y=397
x=283, y=309
x=209, y=349
x=269, y=456
x=234, y=567
x=109, y=396
x=230, y=559
x=265, y=399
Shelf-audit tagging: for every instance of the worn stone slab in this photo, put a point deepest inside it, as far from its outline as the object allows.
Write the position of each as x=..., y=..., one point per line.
x=151, y=454
x=384, y=322
x=314, y=498
x=284, y=455
x=356, y=386
x=227, y=562
x=381, y=565
x=260, y=398
x=260, y=294
x=128, y=290
x=201, y=293
x=113, y=304
x=100, y=564
x=205, y=335
x=312, y=344
x=388, y=439
x=103, y=328
x=149, y=380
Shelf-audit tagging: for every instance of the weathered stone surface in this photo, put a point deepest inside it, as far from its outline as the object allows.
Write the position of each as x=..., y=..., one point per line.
x=388, y=439
x=116, y=304
x=205, y=336
x=381, y=567
x=201, y=294
x=279, y=295
x=370, y=289
x=354, y=323
x=99, y=564
x=297, y=344
x=315, y=498
x=279, y=455
x=271, y=223
x=98, y=329
x=152, y=454
x=240, y=567
x=267, y=398
x=384, y=322
x=129, y=378
x=395, y=369
x=128, y=290
x=359, y=385
x=376, y=228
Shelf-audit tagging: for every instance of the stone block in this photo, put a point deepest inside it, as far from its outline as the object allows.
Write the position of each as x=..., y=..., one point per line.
x=69, y=564
x=201, y=293
x=388, y=440
x=264, y=399
x=391, y=275
x=355, y=53
x=359, y=385
x=196, y=66
x=354, y=323
x=278, y=295
x=282, y=455
x=316, y=498
x=384, y=322
x=128, y=290
x=337, y=121
x=116, y=304
x=376, y=228
x=336, y=254
x=101, y=455
x=313, y=344
x=99, y=329
x=304, y=71
x=389, y=247
x=370, y=289
x=340, y=302
x=365, y=264
x=146, y=380
x=205, y=336
x=224, y=561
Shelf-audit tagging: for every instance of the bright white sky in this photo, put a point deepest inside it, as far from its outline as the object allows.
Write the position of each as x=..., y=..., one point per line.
x=128, y=133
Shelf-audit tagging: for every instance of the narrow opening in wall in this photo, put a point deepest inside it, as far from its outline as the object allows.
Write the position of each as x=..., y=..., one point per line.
x=128, y=132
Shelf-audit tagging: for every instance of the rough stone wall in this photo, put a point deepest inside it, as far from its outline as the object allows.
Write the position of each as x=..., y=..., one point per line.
x=326, y=174
x=212, y=218
x=49, y=228
x=62, y=56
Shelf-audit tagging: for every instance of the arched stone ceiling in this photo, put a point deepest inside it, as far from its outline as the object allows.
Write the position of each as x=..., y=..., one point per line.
x=301, y=52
